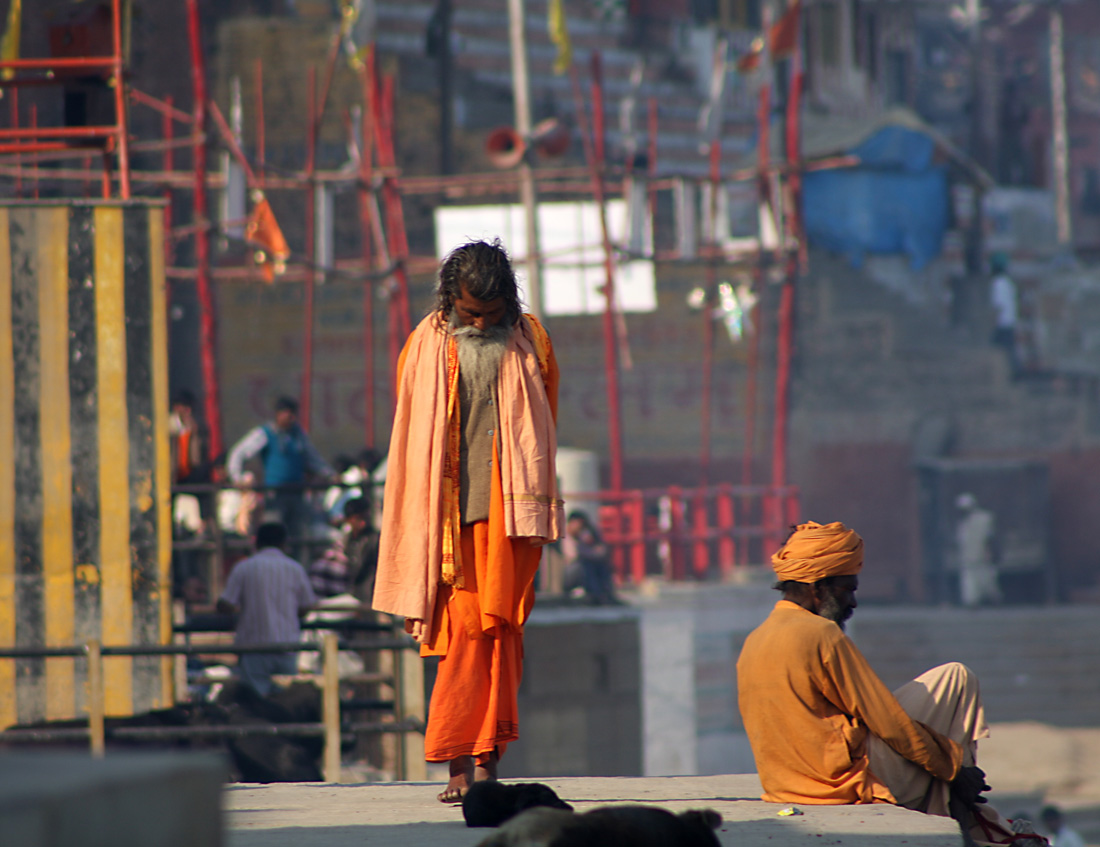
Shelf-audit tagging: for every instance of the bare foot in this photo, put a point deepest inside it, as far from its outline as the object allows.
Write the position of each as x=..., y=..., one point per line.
x=487, y=771
x=462, y=775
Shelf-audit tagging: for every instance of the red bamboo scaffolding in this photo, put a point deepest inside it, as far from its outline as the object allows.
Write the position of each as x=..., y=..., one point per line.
x=207, y=328
x=261, y=130
x=169, y=164
x=397, y=244
x=789, y=249
x=385, y=254
x=594, y=148
x=306, y=396
x=122, y=136
x=366, y=229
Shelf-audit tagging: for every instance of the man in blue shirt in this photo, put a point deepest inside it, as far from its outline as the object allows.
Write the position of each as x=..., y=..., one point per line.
x=288, y=457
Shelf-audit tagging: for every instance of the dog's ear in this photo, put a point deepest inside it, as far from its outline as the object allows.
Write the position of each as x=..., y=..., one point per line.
x=707, y=817
x=701, y=823
x=544, y=795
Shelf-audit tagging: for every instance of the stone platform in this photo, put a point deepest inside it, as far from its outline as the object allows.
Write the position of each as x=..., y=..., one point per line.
x=407, y=814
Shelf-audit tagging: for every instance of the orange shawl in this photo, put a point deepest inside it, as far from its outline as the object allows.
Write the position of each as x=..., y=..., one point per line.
x=419, y=546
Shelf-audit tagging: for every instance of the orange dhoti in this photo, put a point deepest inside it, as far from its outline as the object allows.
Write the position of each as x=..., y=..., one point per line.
x=473, y=709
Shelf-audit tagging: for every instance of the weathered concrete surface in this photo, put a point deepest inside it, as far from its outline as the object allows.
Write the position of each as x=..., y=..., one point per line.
x=51, y=799
x=407, y=814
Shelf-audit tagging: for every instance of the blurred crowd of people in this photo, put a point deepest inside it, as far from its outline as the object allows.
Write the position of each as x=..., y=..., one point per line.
x=274, y=473
x=331, y=511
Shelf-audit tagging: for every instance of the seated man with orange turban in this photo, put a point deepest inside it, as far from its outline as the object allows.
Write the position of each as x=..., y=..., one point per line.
x=823, y=727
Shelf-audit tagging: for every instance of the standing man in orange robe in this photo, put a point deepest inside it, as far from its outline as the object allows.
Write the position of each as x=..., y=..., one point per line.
x=823, y=727
x=471, y=497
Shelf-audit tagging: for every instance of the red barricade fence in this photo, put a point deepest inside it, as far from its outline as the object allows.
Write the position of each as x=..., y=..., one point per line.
x=677, y=533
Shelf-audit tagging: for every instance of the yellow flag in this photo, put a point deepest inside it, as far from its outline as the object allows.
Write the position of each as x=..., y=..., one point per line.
x=9, y=46
x=559, y=35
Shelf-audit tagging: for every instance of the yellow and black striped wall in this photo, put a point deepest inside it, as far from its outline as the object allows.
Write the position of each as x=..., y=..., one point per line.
x=85, y=535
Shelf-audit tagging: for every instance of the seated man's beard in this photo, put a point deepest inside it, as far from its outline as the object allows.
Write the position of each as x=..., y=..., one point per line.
x=830, y=609
x=480, y=351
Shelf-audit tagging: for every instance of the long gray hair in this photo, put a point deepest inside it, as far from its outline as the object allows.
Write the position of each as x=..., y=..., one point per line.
x=485, y=271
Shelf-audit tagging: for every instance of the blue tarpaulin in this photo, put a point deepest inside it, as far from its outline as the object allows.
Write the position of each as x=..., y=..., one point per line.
x=894, y=201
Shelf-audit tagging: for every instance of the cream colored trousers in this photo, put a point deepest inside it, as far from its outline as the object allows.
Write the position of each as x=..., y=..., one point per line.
x=947, y=699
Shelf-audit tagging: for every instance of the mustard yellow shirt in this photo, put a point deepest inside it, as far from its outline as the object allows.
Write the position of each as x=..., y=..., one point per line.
x=808, y=701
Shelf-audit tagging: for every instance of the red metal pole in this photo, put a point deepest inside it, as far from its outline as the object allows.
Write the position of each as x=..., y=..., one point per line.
x=782, y=383
x=594, y=148
x=794, y=154
x=708, y=316
x=763, y=118
x=726, y=545
x=34, y=125
x=307, y=317
x=261, y=140
x=15, y=125
x=207, y=330
x=330, y=69
x=366, y=154
x=785, y=340
x=399, y=321
x=636, y=508
x=120, y=101
x=105, y=177
x=754, y=327
x=169, y=164
x=378, y=123
x=399, y=244
x=652, y=160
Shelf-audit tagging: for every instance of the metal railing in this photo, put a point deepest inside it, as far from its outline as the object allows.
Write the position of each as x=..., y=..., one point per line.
x=678, y=533
x=690, y=533
x=406, y=680
x=218, y=546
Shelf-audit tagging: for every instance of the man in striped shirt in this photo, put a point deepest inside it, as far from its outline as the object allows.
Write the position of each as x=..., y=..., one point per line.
x=270, y=591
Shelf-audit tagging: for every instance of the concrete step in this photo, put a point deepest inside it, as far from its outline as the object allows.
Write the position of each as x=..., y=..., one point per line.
x=1034, y=663
x=51, y=799
x=408, y=815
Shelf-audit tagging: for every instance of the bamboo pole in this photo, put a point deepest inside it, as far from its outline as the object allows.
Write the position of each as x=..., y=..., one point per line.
x=96, y=737
x=330, y=707
x=409, y=696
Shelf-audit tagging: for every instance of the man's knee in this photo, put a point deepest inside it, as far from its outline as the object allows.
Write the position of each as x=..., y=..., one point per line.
x=955, y=672
x=952, y=679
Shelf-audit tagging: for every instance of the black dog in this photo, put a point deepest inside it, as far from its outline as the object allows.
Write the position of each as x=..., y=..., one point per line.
x=491, y=803
x=609, y=826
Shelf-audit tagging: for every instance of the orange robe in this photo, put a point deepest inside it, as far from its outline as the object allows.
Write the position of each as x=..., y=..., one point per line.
x=809, y=701
x=477, y=630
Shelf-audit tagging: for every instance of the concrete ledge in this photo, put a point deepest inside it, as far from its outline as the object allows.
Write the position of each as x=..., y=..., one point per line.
x=408, y=815
x=50, y=799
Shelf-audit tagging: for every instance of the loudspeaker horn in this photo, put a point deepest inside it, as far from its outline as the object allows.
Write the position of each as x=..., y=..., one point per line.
x=505, y=147
x=550, y=139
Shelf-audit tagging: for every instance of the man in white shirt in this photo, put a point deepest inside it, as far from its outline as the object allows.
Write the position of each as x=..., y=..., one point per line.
x=1060, y=834
x=271, y=592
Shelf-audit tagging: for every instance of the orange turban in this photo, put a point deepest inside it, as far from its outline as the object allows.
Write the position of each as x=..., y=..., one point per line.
x=814, y=552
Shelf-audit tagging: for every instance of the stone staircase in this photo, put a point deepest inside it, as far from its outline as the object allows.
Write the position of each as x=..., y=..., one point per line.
x=867, y=347
x=676, y=72
x=1035, y=663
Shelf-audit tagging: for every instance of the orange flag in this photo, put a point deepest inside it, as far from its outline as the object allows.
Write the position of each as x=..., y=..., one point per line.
x=262, y=231
x=782, y=39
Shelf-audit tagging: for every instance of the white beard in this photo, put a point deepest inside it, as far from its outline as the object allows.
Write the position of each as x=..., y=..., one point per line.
x=480, y=353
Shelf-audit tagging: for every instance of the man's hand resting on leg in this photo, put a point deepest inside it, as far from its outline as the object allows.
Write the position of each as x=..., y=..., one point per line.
x=967, y=787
